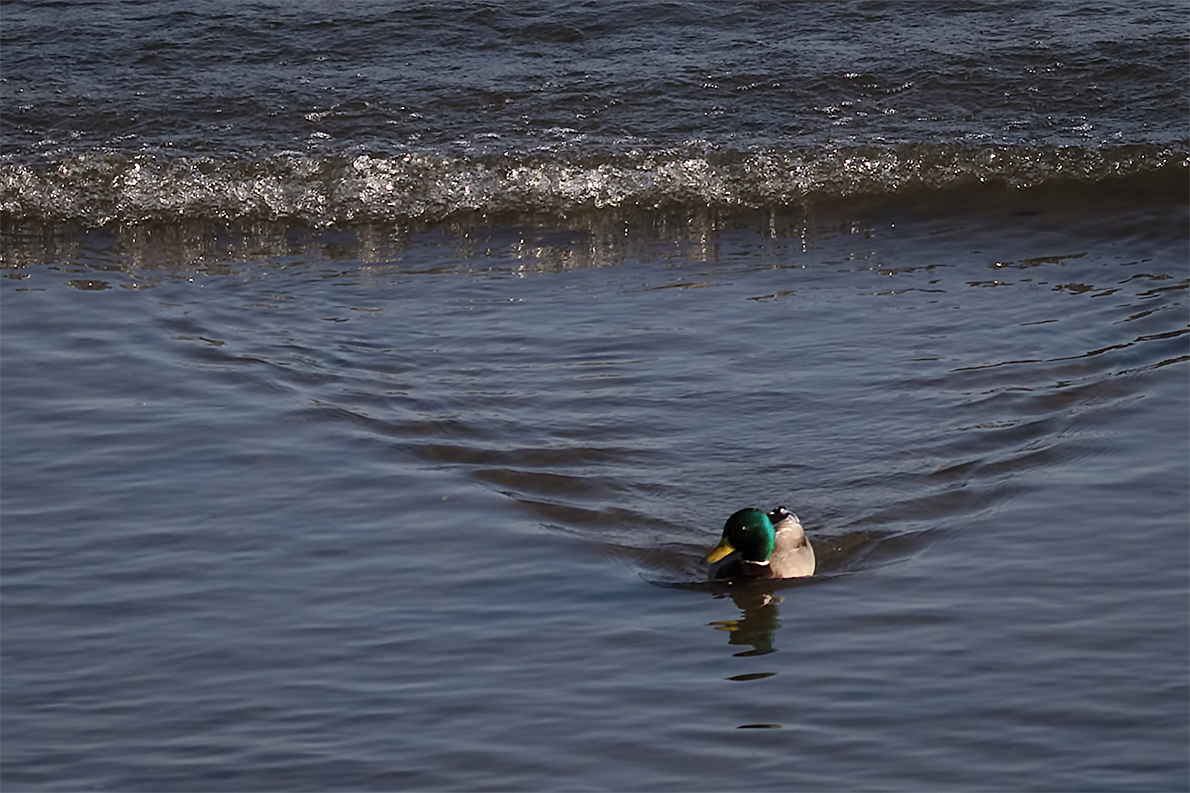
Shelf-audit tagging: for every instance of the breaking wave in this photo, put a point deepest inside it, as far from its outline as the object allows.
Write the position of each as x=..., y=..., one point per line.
x=101, y=187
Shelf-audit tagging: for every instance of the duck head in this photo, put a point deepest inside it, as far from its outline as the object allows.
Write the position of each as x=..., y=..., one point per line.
x=748, y=531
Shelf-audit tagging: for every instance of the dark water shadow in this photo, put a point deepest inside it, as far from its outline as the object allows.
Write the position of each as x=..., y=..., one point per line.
x=755, y=628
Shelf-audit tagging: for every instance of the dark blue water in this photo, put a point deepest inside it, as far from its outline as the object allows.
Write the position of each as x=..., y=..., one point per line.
x=374, y=378
x=407, y=111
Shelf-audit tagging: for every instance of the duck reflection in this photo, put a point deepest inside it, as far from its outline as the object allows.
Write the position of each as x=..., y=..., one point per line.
x=758, y=622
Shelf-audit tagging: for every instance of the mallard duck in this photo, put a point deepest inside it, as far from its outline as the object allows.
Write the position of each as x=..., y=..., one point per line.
x=756, y=545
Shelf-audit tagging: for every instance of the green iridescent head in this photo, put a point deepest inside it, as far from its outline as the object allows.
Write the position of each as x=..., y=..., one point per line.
x=748, y=531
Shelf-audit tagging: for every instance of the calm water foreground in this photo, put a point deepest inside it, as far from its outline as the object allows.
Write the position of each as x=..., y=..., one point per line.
x=348, y=511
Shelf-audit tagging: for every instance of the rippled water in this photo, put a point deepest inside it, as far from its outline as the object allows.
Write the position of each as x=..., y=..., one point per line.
x=398, y=111
x=375, y=378
x=429, y=513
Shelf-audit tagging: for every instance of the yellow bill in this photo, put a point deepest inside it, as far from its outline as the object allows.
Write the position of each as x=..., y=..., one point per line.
x=720, y=550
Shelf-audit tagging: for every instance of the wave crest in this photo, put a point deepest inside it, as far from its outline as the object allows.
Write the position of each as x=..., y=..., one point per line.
x=97, y=188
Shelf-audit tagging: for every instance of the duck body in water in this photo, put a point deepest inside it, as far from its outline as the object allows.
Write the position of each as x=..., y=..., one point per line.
x=759, y=545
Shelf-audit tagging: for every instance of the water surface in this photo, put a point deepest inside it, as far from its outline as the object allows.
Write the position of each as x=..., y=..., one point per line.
x=373, y=383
